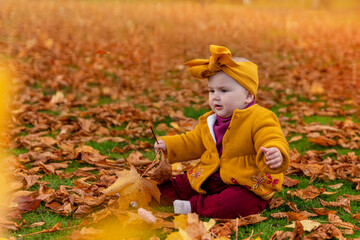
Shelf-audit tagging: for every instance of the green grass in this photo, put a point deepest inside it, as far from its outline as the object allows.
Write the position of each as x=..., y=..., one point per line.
x=106, y=100
x=53, y=113
x=191, y=112
x=50, y=219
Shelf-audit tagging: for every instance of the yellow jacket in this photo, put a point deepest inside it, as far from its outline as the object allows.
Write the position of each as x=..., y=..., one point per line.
x=242, y=162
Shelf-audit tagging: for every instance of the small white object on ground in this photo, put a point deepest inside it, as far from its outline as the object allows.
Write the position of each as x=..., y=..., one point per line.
x=134, y=204
x=146, y=215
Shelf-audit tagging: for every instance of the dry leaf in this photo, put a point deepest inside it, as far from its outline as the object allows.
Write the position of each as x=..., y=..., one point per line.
x=326, y=231
x=131, y=187
x=336, y=221
x=323, y=141
x=308, y=225
x=340, y=202
x=102, y=52
x=310, y=192
x=336, y=186
x=289, y=182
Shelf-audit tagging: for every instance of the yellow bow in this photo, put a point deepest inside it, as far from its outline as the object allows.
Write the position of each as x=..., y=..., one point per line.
x=244, y=73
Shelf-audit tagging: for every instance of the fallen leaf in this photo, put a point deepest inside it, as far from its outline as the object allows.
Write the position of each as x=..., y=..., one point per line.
x=326, y=231
x=336, y=186
x=291, y=216
x=131, y=187
x=308, y=225
x=26, y=203
x=289, y=182
x=340, y=202
x=295, y=138
x=276, y=202
x=323, y=141
x=310, y=192
x=298, y=230
x=102, y=52
x=336, y=221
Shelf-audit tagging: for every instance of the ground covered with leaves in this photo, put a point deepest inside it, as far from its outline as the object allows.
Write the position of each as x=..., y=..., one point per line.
x=90, y=78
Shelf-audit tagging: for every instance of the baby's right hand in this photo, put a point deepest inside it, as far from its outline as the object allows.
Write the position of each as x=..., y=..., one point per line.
x=160, y=146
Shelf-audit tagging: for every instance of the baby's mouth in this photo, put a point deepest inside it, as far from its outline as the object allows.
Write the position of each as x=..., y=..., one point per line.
x=218, y=106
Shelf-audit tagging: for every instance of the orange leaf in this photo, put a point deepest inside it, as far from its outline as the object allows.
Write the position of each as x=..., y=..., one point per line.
x=102, y=52
x=323, y=141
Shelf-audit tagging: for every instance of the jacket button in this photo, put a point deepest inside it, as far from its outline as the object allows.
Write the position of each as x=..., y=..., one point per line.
x=236, y=116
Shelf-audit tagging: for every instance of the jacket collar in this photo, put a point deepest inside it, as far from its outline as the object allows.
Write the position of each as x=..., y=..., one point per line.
x=210, y=118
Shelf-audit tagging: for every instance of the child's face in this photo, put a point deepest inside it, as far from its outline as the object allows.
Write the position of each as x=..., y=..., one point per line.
x=226, y=95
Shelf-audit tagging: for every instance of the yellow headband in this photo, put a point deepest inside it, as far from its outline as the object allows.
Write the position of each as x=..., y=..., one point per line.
x=244, y=73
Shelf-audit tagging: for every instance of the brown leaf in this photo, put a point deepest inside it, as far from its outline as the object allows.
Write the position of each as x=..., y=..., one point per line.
x=31, y=180
x=222, y=229
x=9, y=225
x=357, y=217
x=340, y=202
x=26, y=203
x=295, y=138
x=136, y=159
x=279, y=215
x=82, y=211
x=310, y=192
x=289, y=182
x=276, y=202
x=162, y=172
x=251, y=219
x=280, y=235
x=94, y=201
x=293, y=206
x=298, y=231
x=323, y=211
x=326, y=231
x=102, y=52
x=323, y=141
x=353, y=197
x=293, y=216
x=89, y=155
x=36, y=224
x=335, y=220
x=336, y=186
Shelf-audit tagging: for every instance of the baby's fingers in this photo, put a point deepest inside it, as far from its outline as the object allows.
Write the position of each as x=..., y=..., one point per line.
x=274, y=163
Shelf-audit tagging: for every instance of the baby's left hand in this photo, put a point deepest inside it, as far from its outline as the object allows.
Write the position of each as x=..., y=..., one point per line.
x=273, y=156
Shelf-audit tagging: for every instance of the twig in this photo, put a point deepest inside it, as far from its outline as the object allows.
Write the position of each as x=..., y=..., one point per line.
x=237, y=228
x=154, y=135
x=253, y=235
x=61, y=229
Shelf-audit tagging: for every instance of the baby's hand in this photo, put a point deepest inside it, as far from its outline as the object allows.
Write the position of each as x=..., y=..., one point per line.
x=160, y=146
x=273, y=156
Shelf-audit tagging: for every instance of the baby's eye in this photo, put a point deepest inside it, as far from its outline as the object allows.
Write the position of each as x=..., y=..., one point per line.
x=211, y=91
x=224, y=90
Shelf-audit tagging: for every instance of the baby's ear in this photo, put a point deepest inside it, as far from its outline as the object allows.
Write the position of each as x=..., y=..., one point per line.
x=249, y=97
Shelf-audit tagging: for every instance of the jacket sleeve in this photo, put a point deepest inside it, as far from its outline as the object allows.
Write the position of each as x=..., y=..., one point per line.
x=184, y=147
x=267, y=133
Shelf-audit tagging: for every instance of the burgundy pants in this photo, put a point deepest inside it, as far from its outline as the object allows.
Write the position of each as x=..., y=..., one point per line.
x=221, y=201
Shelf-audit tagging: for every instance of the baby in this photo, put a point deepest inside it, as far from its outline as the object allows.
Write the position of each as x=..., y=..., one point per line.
x=242, y=149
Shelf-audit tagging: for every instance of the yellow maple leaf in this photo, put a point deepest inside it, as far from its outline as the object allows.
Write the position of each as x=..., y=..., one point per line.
x=131, y=187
